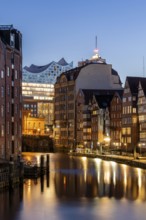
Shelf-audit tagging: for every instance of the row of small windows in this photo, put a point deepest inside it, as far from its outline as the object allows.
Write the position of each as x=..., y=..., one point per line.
x=141, y=100
x=142, y=126
x=126, y=130
x=143, y=135
x=8, y=73
x=118, y=115
x=2, y=110
x=116, y=124
x=27, y=106
x=142, y=118
x=126, y=140
x=129, y=99
x=128, y=110
x=16, y=128
x=2, y=90
x=116, y=107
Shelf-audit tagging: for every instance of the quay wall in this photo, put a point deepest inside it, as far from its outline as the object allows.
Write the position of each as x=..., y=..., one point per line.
x=11, y=174
x=139, y=163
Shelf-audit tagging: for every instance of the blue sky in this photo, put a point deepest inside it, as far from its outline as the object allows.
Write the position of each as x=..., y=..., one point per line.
x=53, y=29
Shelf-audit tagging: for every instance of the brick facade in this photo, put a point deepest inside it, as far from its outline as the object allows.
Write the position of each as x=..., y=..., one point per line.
x=10, y=91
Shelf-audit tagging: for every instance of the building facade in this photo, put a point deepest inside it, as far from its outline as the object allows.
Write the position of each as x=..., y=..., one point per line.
x=94, y=75
x=10, y=91
x=101, y=119
x=130, y=123
x=32, y=125
x=116, y=120
x=38, y=86
x=142, y=114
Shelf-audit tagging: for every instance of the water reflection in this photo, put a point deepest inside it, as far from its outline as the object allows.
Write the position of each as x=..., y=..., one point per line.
x=78, y=188
x=96, y=178
x=74, y=177
x=11, y=203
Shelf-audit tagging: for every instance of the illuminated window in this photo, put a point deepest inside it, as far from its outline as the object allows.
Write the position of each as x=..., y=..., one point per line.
x=2, y=130
x=135, y=120
x=129, y=140
x=2, y=74
x=129, y=130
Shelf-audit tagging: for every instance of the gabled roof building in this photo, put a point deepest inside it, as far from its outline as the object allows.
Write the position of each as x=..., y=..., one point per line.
x=130, y=124
x=142, y=114
x=116, y=120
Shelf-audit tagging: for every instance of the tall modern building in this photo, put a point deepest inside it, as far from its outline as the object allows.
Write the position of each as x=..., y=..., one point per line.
x=10, y=91
x=38, y=88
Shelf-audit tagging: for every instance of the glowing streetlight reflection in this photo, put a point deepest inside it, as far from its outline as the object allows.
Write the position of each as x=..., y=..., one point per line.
x=84, y=160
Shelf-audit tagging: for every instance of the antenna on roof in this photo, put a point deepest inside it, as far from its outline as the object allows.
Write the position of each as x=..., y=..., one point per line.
x=96, y=49
x=143, y=68
x=96, y=42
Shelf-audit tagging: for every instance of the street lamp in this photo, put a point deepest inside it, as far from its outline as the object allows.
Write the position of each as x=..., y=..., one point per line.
x=38, y=130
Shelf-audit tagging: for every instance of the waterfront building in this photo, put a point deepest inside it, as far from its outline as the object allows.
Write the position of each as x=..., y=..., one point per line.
x=142, y=114
x=93, y=117
x=38, y=88
x=116, y=120
x=10, y=91
x=130, y=124
x=32, y=125
x=96, y=74
x=83, y=118
x=101, y=119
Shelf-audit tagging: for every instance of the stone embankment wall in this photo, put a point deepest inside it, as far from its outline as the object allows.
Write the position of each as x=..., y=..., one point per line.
x=4, y=176
x=11, y=174
x=139, y=163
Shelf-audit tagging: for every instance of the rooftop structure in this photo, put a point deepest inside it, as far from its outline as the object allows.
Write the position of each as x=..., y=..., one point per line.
x=47, y=73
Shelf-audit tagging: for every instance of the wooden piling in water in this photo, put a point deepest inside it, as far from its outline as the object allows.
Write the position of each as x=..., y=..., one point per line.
x=42, y=165
x=47, y=163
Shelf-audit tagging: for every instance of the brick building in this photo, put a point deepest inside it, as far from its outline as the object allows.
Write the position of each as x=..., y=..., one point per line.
x=10, y=91
x=130, y=123
x=142, y=114
x=116, y=120
x=92, y=76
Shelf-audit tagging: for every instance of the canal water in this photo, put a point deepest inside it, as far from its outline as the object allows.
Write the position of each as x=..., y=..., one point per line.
x=78, y=188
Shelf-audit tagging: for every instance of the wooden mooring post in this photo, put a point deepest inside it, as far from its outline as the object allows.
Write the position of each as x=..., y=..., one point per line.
x=47, y=163
x=42, y=165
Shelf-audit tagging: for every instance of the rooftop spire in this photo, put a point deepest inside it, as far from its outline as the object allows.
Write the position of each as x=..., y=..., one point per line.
x=96, y=55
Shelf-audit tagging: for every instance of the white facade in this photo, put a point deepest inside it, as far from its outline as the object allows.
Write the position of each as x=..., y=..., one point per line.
x=47, y=73
x=98, y=76
x=38, y=85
